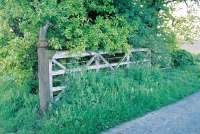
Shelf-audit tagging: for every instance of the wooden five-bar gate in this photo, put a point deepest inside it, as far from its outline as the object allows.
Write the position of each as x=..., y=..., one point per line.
x=52, y=64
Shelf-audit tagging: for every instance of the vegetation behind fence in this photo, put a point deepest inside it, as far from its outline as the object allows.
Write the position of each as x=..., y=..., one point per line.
x=81, y=25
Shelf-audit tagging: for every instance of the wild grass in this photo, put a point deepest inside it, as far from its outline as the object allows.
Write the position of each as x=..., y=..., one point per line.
x=94, y=102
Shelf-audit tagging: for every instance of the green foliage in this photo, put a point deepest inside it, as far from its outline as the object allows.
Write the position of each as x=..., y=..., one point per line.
x=186, y=25
x=182, y=58
x=18, y=107
x=197, y=58
x=80, y=25
x=94, y=101
x=97, y=101
x=187, y=28
x=148, y=30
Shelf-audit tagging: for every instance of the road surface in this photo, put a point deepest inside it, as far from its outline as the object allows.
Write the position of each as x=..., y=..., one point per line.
x=182, y=117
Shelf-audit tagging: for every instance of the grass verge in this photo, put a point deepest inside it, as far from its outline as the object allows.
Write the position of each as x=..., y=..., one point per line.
x=95, y=101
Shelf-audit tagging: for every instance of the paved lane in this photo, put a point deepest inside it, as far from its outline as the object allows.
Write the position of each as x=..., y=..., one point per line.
x=182, y=117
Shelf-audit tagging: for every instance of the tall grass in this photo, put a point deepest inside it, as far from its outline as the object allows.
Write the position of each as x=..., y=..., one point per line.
x=94, y=102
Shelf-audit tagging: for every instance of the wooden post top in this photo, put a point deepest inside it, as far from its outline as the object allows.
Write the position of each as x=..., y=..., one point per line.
x=43, y=43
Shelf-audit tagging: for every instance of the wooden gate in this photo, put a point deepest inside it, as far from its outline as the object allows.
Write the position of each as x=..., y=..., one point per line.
x=55, y=63
x=93, y=61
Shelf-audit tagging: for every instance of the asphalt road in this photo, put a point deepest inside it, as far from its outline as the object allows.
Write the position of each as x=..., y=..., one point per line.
x=182, y=117
x=193, y=48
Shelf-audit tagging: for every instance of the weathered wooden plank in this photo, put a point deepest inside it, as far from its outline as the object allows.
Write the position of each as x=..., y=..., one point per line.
x=122, y=60
x=57, y=89
x=128, y=60
x=51, y=79
x=105, y=61
x=93, y=67
x=97, y=62
x=58, y=72
x=43, y=69
x=44, y=81
x=139, y=49
x=59, y=64
x=91, y=60
x=67, y=54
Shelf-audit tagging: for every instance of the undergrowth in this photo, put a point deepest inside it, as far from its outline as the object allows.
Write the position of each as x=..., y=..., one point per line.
x=94, y=102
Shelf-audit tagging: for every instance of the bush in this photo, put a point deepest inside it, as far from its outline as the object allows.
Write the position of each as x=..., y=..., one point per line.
x=109, y=25
x=182, y=58
x=197, y=58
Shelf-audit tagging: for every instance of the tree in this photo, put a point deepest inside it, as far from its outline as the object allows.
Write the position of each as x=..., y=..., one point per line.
x=186, y=25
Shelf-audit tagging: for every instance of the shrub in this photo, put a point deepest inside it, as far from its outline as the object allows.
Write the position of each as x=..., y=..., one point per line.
x=79, y=25
x=182, y=58
x=197, y=58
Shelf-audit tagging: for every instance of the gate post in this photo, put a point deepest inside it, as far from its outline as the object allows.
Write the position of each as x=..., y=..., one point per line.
x=43, y=69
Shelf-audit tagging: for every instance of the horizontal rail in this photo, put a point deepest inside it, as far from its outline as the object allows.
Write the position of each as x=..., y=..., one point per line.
x=60, y=88
x=93, y=67
x=67, y=54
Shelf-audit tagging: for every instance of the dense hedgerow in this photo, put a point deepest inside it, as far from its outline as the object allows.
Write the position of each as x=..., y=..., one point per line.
x=79, y=25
